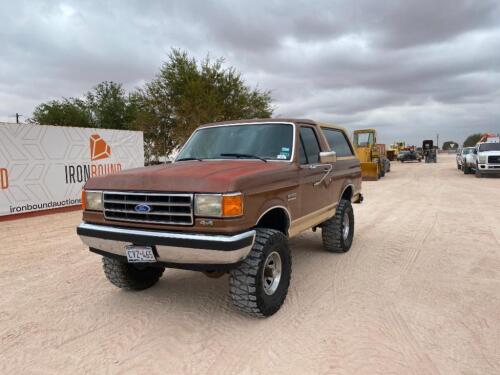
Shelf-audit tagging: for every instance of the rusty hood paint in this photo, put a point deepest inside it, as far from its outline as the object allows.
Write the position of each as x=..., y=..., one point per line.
x=217, y=176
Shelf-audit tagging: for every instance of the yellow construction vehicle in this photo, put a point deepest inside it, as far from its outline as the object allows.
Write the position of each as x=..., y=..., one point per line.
x=365, y=144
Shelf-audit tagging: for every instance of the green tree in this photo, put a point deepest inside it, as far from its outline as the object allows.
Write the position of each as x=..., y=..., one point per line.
x=472, y=139
x=66, y=112
x=105, y=106
x=450, y=145
x=109, y=106
x=185, y=94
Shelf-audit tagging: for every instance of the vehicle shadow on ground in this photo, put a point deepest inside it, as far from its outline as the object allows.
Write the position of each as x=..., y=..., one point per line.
x=177, y=292
x=493, y=176
x=307, y=243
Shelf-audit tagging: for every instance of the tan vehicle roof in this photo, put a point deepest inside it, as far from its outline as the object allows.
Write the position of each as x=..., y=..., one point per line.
x=250, y=121
x=333, y=126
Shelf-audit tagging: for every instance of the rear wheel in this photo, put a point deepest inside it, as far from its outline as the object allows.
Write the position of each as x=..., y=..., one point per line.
x=337, y=233
x=259, y=285
x=129, y=276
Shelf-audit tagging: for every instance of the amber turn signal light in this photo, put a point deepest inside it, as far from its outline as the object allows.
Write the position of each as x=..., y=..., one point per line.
x=232, y=205
x=83, y=200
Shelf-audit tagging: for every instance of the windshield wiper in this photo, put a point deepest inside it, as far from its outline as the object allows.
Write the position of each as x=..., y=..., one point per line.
x=236, y=155
x=184, y=159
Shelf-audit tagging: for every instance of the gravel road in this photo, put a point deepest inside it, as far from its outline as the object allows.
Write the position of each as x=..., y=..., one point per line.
x=419, y=293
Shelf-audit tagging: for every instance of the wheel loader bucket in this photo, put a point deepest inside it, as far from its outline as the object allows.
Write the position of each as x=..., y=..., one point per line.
x=369, y=171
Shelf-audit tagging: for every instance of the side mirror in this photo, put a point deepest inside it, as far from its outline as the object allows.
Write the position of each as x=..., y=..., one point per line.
x=328, y=157
x=475, y=151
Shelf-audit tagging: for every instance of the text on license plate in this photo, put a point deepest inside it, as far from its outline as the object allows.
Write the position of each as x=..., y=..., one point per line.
x=140, y=254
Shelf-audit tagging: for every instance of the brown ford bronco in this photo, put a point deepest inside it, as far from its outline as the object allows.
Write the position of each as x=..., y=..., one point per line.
x=234, y=195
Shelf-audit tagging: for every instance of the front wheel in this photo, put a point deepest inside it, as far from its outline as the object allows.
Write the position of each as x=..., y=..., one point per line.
x=129, y=276
x=337, y=233
x=259, y=285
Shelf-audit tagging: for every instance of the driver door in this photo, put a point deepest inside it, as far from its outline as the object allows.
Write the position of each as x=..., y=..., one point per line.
x=314, y=198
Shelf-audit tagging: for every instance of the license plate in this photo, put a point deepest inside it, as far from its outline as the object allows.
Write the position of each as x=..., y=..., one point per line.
x=140, y=254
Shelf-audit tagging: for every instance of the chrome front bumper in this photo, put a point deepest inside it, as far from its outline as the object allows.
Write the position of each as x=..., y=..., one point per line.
x=489, y=168
x=170, y=247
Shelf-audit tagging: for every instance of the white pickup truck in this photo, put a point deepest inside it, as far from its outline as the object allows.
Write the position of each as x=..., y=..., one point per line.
x=486, y=157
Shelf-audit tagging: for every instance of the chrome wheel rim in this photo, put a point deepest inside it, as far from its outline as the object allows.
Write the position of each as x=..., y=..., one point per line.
x=271, y=274
x=345, y=226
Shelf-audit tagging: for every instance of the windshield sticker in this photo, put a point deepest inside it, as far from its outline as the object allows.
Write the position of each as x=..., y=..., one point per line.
x=284, y=154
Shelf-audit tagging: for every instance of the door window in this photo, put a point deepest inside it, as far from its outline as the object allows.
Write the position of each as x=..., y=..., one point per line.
x=338, y=142
x=310, y=146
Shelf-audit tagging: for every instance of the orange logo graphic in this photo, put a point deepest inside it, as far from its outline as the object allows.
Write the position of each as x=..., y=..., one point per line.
x=99, y=149
x=4, y=178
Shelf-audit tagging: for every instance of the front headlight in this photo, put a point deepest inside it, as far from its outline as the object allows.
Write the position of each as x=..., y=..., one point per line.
x=482, y=159
x=218, y=205
x=92, y=200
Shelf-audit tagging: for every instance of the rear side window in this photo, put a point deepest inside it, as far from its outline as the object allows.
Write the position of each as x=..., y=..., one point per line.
x=338, y=142
x=310, y=146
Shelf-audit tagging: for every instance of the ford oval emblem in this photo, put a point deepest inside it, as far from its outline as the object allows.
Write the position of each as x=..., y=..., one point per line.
x=143, y=208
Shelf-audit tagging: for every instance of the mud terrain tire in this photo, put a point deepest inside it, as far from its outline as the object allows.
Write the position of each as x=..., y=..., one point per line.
x=250, y=290
x=336, y=238
x=130, y=277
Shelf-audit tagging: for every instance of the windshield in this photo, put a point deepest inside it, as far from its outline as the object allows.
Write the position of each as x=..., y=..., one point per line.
x=267, y=141
x=466, y=151
x=363, y=139
x=489, y=147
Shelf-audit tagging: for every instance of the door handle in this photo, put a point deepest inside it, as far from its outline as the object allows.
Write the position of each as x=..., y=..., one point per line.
x=327, y=171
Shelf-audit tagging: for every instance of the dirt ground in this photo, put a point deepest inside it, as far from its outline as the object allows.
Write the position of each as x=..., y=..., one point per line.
x=419, y=293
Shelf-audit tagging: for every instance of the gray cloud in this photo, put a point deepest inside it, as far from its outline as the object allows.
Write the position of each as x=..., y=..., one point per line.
x=411, y=69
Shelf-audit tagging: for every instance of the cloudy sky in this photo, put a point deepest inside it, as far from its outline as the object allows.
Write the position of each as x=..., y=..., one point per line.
x=411, y=69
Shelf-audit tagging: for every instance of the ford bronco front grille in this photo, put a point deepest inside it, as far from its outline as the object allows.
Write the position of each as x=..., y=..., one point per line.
x=155, y=208
x=494, y=159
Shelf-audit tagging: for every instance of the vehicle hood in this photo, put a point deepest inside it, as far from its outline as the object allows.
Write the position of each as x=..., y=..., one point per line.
x=217, y=176
x=489, y=153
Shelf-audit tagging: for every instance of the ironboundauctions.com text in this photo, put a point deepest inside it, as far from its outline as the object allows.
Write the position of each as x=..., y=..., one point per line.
x=42, y=206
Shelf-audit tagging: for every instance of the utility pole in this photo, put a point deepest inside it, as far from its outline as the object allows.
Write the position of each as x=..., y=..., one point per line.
x=437, y=141
x=17, y=118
